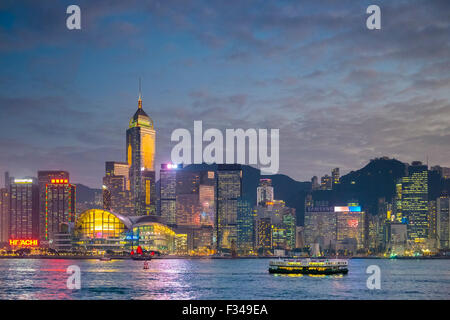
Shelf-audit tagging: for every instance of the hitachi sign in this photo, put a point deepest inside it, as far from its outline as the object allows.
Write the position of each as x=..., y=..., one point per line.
x=23, y=242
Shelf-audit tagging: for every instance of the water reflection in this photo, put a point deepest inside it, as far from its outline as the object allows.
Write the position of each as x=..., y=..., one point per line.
x=215, y=279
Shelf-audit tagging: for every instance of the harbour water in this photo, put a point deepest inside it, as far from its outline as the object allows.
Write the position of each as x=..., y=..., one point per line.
x=218, y=279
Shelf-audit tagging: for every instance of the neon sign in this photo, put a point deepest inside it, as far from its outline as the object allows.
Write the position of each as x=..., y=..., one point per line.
x=348, y=209
x=60, y=181
x=24, y=242
x=26, y=181
x=172, y=166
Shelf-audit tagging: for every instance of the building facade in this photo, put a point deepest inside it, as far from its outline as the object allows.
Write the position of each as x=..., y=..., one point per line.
x=414, y=201
x=140, y=146
x=275, y=225
x=24, y=209
x=4, y=215
x=443, y=222
x=245, y=227
x=59, y=208
x=168, y=192
x=229, y=190
x=44, y=179
x=264, y=192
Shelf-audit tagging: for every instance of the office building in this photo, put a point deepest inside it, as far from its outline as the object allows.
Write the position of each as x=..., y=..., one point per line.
x=443, y=221
x=167, y=192
x=320, y=227
x=194, y=206
x=45, y=179
x=140, y=144
x=4, y=215
x=414, y=201
x=335, y=176
x=334, y=228
x=350, y=227
x=264, y=191
x=432, y=220
x=229, y=190
x=282, y=226
x=59, y=208
x=245, y=227
x=24, y=209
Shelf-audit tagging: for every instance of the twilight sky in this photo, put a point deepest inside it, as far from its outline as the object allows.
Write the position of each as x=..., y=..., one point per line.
x=339, y=93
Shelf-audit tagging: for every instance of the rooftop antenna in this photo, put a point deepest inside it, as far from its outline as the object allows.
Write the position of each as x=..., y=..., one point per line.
x=140, y=95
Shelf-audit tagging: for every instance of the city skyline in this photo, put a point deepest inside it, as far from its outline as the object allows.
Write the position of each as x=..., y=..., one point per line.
x=339, y=94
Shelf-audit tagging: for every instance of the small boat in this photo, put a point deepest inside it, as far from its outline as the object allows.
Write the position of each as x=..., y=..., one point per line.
x=105, y=258
x=309, y=266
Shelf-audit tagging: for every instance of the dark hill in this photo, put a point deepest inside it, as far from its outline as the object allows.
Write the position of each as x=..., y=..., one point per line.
x=376, y=180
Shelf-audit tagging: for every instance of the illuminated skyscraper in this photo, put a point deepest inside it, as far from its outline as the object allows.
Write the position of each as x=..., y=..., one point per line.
x=398, y=202
x=56, y=202
x=263, y=237
x=443, y=222
x=116, y=189
x=245, y=226
x=264, y=192
x=24, y=209
x=59, y=207
x=415, y=201
x=141, y=159
x=4, y=215
x=229, y=190
x=168, y=189
x=335, y=175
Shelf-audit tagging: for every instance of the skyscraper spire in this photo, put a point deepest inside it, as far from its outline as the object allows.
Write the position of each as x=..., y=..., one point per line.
x=140, y=95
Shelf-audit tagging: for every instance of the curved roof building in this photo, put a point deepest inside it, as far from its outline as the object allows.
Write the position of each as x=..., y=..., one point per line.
x=101, y=229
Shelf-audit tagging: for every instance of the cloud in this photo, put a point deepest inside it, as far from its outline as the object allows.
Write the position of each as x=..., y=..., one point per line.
x=339, y=93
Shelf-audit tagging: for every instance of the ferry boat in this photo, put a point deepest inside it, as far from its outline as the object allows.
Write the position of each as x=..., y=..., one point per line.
x=309, y=266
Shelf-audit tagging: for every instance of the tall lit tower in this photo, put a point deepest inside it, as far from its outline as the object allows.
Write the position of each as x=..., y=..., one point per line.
x=140, y=148
x=415, y=201
x=229, y=190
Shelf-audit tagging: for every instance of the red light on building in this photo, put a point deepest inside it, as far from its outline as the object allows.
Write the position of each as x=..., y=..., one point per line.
x=60, y=181
x=23, y=242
